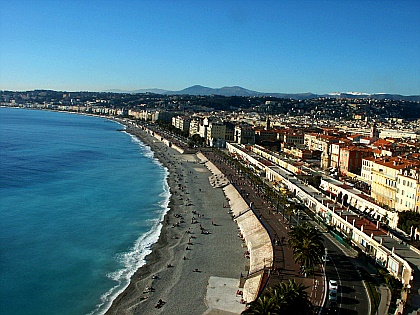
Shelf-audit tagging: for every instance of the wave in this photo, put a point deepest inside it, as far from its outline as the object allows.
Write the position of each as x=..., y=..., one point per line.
x=146, y=149
x=136, y=257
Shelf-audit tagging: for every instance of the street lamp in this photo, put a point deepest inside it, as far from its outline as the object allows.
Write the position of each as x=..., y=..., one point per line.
x=298, y=212
x=325, y=256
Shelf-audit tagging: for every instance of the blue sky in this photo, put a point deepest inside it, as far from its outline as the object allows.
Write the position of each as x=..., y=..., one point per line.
x=268, y=46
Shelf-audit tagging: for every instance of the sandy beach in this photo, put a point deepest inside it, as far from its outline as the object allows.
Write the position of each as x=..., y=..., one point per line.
x=196, y=265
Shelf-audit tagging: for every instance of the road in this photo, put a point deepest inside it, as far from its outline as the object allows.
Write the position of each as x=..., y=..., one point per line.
x=352, y=297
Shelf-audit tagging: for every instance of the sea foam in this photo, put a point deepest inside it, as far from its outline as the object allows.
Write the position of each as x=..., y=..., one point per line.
x=136, y=257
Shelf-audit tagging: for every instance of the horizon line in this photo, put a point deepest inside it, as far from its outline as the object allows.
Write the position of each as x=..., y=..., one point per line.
x=135, y=91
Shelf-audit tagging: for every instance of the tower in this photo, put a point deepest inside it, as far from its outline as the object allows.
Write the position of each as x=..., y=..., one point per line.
x=267, y=125
x=374, y=133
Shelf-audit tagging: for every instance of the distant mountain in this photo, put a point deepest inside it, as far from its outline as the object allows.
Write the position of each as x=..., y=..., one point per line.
x=117, y=91
x=236, y=91
x=225, y=91
x=396, y=97
x=376, y=96
x=240, y=91
x=153, y=90
x=194, y=90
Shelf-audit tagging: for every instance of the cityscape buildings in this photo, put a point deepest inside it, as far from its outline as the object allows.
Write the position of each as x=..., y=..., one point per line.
x=365, y=153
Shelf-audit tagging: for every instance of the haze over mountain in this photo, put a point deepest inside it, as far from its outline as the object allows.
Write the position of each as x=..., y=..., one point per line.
x=240, y=91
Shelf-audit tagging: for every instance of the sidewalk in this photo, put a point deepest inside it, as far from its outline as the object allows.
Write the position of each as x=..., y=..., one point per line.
x=385, y=299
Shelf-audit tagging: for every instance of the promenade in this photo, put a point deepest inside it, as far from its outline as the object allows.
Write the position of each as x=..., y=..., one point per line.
x=283, y=267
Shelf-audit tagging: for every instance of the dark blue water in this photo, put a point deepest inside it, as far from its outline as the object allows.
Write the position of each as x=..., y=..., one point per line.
x=80, y=205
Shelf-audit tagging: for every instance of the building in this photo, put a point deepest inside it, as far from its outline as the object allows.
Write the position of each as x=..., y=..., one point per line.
x=351, y=159
x=321, y=142
x=244, y=134
x=385, y=174
x=302, y=154
x=203, y=128
x=216, y=134
x=181, y=122
x=264, y=136
x=291, y=137
x=366, y=172
x=194, y=127
x=408, y=187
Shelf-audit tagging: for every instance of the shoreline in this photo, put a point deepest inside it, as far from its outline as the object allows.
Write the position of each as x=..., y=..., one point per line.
x=184, y=287
x=227, y=268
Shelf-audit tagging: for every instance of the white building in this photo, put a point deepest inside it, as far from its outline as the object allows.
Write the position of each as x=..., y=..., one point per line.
x=407, y=187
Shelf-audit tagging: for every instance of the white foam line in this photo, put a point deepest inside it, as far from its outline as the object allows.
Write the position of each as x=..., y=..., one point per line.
x=135, y=258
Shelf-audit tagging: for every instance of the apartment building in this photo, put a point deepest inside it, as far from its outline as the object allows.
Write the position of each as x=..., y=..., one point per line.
x=408, y=188
x=351, y=158
x=321, y=142
x=291, y=137
x=194, y=127
x=263, y=135
x=302, y=154
x=389, y=181
x=216, y=134
x=181, y=122
x=244, y=134
x=230, y=131
x=366, y=172
x=203, y=129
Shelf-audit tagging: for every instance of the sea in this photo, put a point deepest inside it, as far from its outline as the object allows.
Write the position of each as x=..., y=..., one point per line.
x=81, y=204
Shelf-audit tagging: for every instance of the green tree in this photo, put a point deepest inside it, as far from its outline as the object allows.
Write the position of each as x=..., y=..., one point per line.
x=285, y=298
x=408, y=219
x=264, y=305
x=197, y=139
x=307, y=245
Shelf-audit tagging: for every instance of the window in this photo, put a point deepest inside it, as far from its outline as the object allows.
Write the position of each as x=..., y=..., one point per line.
x=393, y=266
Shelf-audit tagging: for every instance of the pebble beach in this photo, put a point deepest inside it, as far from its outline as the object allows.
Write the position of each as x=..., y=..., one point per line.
x=197, y=263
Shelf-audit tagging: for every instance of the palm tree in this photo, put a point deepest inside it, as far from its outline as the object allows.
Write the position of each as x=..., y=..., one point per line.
x=284, y=298
x=307, y=246
x=290, y=209
x=264, y=305
x=293, y=298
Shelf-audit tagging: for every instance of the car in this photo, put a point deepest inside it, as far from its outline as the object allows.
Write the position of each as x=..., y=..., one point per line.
x=333, y=285
x=332, y=295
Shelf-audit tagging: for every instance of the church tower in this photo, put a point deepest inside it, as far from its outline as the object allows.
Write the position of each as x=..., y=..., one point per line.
x=267, y=124
x=374, y=132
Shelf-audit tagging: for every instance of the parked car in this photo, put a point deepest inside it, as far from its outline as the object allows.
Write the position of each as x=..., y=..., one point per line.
x=332, y=296
x=333, y=285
